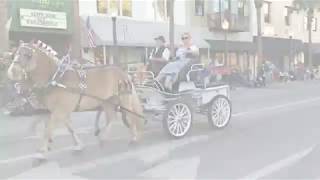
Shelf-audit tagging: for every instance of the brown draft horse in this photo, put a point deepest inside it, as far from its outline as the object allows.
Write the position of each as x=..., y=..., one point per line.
x=36, y=64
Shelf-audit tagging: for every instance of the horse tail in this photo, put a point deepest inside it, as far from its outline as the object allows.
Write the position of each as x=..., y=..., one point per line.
x=125, y=87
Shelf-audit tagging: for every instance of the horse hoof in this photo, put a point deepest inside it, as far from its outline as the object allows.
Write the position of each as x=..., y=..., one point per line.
x=78, y=147
x=40, y=156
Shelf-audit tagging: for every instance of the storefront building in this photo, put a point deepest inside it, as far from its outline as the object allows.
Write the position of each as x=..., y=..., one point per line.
x=47, y=20
x=138, y=22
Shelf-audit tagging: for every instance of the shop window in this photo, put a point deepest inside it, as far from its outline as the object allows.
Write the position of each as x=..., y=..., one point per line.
x=113, y=7
x=243, y=8
x=314, y=24
x=267, y=12
x=127, y=8
x=102, y=6
x=287, y=16
x=162, y=8
x=118, y=7
x=199, y=7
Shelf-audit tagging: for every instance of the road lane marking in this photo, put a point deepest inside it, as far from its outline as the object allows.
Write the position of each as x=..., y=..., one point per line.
x=276, y=107
x=140, y=153
x=274, y=167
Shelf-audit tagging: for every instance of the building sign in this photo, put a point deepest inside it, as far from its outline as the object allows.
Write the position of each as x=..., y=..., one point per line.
x=43, y=19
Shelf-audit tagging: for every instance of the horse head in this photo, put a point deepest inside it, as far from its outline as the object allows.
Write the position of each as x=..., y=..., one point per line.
x=31, y=60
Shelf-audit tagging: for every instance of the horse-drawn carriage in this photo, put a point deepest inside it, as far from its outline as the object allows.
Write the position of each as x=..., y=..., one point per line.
x=176, y=110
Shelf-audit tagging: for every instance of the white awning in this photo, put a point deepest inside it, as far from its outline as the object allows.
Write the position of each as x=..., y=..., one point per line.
x=136, y=33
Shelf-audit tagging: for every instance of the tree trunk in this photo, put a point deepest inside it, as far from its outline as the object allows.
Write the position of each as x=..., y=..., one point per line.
x=76, y=39
x=171, y=28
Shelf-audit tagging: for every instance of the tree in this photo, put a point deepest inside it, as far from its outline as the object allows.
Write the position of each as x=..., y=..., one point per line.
x=258, y=4
x=308, y=6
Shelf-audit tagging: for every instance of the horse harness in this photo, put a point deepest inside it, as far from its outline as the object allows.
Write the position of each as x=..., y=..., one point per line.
x=81, y=70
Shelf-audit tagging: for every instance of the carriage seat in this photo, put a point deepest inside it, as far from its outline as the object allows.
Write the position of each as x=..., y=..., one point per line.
x=199, y=75
x=187, y=85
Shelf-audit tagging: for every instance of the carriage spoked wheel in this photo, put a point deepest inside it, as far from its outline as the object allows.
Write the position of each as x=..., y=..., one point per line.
x=219, y=112
x=177, y=120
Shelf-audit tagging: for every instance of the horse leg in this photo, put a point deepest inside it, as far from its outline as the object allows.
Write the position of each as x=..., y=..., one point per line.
x=97, y=120
x=77, y=142
x=136, y=124
x=42, y=119
x=49, y=127
x=110, y=114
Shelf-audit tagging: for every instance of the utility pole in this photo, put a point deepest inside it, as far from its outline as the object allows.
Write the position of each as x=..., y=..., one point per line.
x=76, y=38
x=171, y=28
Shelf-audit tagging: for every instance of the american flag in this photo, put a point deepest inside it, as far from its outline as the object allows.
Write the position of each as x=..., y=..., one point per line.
x=91, y=34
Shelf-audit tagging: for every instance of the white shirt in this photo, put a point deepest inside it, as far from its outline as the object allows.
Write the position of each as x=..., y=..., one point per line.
x=182, y=51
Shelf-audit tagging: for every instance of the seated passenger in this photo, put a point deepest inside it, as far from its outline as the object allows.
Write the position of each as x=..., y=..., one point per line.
x=176, y=71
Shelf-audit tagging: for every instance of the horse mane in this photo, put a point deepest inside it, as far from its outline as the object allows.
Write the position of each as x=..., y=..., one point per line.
x=46, y=49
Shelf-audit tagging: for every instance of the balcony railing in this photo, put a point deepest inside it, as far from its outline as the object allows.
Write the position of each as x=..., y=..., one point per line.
x=236, y=23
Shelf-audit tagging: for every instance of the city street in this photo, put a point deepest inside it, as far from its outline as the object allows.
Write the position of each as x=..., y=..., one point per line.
x=274, y=133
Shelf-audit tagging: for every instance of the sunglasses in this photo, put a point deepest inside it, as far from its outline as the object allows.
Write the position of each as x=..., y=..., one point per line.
x=184, y=38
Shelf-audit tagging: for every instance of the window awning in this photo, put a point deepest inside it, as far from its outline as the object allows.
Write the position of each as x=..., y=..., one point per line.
x=133, y=33
x=280, y=46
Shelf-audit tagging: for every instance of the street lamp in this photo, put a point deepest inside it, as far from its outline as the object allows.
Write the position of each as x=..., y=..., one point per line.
x=225, y=26
x=115, y=59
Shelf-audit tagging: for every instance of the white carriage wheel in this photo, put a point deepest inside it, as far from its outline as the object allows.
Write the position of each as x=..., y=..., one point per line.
x=178, y=120
x=219, y=112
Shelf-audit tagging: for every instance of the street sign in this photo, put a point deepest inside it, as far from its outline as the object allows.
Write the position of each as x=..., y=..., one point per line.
x=43, y=19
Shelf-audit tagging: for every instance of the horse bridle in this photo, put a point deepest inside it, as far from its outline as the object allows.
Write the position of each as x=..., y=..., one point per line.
x=23, y=65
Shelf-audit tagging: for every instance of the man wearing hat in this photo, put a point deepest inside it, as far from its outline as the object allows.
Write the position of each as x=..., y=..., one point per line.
x=159, y=56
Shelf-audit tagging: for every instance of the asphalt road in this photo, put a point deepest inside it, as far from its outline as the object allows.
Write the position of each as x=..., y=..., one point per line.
x=274, y=134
